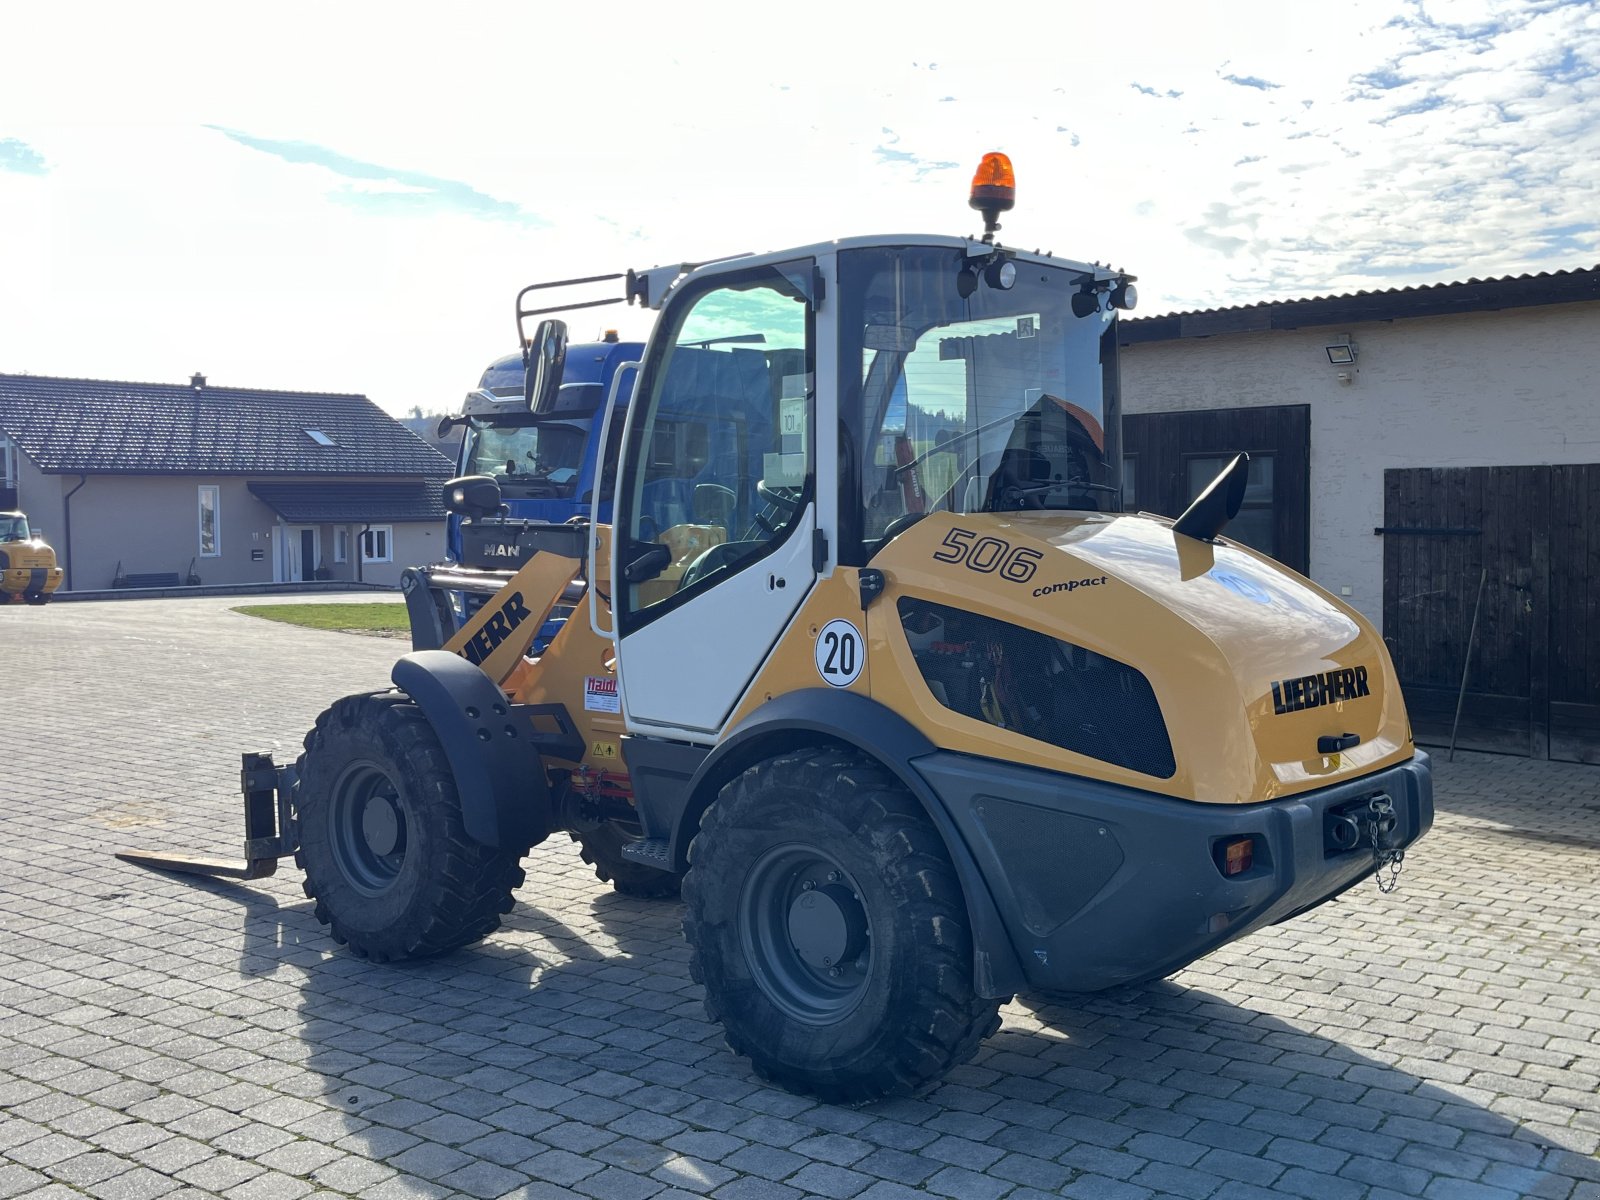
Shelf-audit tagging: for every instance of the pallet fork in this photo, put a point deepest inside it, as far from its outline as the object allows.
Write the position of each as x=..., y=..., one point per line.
x=270, y=831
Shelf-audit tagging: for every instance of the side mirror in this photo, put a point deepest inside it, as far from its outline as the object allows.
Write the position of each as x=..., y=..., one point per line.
x=446, y=424
x=473, y=496
x=1218, y=504
x=542, y=360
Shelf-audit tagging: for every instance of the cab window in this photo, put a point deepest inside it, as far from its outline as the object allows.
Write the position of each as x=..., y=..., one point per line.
x=719, y=470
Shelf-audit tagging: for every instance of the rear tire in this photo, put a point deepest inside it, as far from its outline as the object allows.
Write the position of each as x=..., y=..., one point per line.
x=37, y=598
x=382, y=843
x=827, y=925
x=601, y=847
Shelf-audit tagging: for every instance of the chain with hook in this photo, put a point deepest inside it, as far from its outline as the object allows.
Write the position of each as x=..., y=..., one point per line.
x=1380, y=825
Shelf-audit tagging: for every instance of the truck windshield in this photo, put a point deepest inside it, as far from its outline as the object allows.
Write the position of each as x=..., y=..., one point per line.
x=997, y=401
x=528, y=456
x=14, y=528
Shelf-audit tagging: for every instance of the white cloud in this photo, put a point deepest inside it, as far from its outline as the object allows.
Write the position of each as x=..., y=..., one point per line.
x=1403, y=143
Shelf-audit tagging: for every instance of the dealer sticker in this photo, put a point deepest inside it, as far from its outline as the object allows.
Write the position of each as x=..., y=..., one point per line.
x=600, y=694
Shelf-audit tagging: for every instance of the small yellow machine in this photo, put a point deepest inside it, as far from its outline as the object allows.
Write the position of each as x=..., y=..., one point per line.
x=28, y=570
x=869, y=657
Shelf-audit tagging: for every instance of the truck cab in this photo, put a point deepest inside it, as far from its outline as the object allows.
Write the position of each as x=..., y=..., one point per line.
x=547, y=464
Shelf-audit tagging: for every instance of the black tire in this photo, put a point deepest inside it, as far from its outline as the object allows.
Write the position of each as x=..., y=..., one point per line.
x=37, y=598
x=601, y=848
x=386, y=856
x=865, y=991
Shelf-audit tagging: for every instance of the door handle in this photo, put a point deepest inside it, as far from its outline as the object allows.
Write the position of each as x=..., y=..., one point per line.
x=649, y=564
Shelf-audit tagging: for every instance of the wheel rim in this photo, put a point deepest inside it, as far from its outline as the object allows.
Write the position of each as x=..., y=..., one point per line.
x=807, y=936
x=368, y=828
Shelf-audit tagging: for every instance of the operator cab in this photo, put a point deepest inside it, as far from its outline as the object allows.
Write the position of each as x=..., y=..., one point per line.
x=984, y=386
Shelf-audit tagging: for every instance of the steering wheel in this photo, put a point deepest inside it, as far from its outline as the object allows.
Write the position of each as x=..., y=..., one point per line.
x=780, y=505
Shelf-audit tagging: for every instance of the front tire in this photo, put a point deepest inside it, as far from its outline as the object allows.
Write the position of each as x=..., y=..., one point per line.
x=382, y=842
x=827, y=925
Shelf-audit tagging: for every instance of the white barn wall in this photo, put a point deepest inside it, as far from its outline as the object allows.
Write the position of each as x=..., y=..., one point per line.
x=1516, y=387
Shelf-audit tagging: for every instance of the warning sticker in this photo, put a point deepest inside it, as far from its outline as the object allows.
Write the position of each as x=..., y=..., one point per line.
x=600, y=695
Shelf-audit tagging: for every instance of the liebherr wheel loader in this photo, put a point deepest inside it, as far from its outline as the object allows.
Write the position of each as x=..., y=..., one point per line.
x=872, y=657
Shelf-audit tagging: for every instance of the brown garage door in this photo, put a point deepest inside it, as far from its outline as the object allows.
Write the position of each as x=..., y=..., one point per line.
x=1525, y=538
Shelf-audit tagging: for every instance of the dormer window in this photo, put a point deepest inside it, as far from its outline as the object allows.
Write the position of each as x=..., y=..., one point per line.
x=320, y=438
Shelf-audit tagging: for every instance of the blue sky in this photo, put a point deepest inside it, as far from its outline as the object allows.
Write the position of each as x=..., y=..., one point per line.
x=347, y=197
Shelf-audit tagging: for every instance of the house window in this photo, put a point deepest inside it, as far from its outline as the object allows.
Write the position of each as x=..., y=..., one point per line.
x=1255, y=525
x=8, y=462
x=341, y=544
x=375, y=544
x=1130, y=479
x=320, y=438
x=210, y=521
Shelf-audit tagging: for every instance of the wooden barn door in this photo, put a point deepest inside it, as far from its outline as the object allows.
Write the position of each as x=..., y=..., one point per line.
x=1575, y=613
x=1516, y=544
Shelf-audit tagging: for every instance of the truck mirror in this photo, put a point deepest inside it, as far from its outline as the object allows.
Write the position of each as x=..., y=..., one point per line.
x=542, y=360
x=472, y=496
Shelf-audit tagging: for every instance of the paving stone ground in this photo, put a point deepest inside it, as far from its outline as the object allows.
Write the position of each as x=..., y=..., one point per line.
x=162, y=1038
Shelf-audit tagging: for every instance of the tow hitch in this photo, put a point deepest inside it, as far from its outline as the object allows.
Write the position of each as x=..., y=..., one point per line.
x=270, y=832
x=1368, y=824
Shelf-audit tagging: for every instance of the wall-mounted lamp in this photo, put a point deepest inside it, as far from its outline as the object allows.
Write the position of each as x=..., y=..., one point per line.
x=1341, y=355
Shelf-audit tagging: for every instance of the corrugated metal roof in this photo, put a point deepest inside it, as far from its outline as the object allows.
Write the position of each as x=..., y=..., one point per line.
x=343, y=503
x=1420, y=300
x=111, y=427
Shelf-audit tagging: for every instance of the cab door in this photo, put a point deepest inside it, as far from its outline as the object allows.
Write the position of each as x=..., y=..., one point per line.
x=716, y=508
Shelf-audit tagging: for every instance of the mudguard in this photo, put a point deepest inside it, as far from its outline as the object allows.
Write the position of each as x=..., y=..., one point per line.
x=799, y=717
x=505, y=799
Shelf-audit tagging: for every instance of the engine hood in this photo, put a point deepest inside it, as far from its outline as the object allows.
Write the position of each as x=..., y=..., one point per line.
x=1251, y=664
x=30, y=554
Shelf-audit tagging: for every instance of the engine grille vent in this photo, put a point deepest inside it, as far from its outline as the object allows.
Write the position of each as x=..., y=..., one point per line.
x=1039, y=686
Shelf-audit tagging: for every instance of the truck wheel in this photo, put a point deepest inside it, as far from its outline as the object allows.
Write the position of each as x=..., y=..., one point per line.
x=37, y=598
x=827, y=925
x=386, y=855
x=601, y=848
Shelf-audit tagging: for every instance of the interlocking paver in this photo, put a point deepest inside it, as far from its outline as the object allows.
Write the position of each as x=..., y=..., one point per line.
x=162, y=1038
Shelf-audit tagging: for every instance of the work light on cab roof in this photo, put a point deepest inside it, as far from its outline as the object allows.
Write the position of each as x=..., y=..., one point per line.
x=994, y=191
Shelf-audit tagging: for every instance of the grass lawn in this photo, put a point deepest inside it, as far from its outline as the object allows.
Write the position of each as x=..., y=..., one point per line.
x=381, y=619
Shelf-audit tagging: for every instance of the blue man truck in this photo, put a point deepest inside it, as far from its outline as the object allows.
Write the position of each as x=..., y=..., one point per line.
x=546, y=463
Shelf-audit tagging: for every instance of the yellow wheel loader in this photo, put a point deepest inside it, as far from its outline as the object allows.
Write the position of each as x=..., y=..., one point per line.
x=28, y=571
x=871, y=658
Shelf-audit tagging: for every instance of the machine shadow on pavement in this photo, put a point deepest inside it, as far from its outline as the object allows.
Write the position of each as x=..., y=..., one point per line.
x=577, y=1032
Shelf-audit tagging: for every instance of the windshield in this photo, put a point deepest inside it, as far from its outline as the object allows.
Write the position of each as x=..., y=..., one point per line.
x=526, y=456
x=999, y=401
x=13, y=529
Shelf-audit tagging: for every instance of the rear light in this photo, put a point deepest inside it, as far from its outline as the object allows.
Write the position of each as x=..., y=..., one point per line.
x=1236, y=856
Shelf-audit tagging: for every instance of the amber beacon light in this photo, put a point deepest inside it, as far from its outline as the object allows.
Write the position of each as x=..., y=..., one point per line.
x=994, y=190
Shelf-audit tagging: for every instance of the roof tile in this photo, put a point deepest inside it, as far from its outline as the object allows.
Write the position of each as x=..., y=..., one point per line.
x=110, y=427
